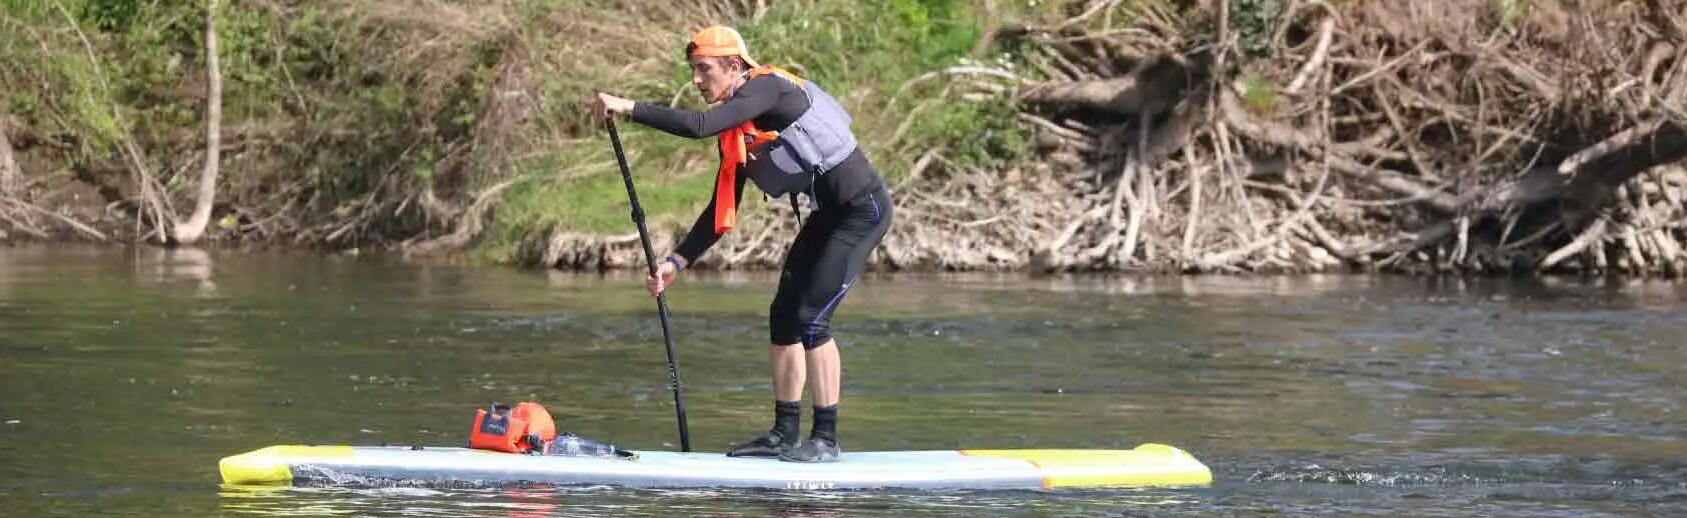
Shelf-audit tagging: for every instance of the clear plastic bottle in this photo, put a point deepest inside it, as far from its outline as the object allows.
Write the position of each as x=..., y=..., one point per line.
x=574, y=445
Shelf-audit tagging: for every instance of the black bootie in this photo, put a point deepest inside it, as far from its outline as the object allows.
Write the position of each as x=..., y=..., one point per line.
x=787, y=419
x=822, y=443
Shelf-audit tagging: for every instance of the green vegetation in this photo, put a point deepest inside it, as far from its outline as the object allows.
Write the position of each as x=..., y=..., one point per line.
x=1509, y=13
x=1252, y=20
x=326, y=118
x=1259, y=94
x=862, y=52
x=342, y=119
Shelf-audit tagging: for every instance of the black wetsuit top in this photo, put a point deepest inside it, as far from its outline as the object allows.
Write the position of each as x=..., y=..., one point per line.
x=772, y=103
x=853, y=211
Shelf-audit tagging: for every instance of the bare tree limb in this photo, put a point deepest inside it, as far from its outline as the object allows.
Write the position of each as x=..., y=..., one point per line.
x=189, y=232
x=152, y=203
x=1320, y=53
x=68, y=221
x=9, y=172
x=1151, y=88
x=1592, y=234
x=470, y=225
x=1196, y=172
x=1621, y=139
x=1287, y=136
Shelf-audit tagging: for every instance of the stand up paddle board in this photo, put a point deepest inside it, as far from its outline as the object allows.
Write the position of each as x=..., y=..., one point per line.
x=1146, y=465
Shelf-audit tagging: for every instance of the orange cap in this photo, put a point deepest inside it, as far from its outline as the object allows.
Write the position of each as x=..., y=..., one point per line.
x=720, y=40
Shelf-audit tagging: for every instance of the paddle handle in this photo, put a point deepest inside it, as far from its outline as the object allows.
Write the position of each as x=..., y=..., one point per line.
x=661, y=299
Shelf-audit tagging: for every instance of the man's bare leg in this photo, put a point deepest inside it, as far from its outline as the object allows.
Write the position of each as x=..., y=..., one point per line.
x=825, y=373
x=789, y=371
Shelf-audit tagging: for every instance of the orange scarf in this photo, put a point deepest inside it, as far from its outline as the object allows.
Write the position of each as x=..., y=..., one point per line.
x=735, y=146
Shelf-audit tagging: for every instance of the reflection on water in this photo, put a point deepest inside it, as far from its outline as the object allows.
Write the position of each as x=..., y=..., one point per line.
x=609, y=501
x=126, y=374
x=193, y=265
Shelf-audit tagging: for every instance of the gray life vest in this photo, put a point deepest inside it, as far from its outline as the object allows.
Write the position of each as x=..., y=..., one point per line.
x=809, y=147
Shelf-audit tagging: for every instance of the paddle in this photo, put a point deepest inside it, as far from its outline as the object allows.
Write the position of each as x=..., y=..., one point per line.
x=661, y=299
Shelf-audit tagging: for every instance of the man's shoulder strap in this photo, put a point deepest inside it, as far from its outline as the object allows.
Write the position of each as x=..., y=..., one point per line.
x=770, y=69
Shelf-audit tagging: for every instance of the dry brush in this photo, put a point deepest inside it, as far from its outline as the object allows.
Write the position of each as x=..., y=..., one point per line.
x=1463, y=135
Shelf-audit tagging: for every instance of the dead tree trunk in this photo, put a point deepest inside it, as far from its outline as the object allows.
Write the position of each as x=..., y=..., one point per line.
x=189, y=232
x=8, y=174
x=8, y=167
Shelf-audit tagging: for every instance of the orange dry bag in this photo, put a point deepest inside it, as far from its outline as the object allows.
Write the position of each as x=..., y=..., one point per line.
x=540, y=427
x=525, y=428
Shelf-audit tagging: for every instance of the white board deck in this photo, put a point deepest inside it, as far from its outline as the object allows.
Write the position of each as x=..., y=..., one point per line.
x=1147, y=465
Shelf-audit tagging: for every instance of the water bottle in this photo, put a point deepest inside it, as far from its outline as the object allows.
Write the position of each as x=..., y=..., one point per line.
x=576, y=446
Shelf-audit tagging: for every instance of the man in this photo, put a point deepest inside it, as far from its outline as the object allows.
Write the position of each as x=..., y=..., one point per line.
x=788, y=136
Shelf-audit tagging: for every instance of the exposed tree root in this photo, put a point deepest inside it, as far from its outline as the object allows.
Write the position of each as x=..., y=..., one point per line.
x=1468, y=143
x=1452, y=146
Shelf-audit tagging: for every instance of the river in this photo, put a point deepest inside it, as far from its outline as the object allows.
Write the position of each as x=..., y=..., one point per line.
x=126, y=373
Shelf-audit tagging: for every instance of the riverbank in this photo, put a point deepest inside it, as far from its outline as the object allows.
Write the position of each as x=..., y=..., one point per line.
x=1228, y=136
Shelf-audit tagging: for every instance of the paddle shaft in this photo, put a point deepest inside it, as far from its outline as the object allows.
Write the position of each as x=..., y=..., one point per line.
x=661, y=299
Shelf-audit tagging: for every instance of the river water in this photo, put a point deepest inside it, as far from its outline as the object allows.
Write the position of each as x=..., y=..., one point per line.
x=126, y=374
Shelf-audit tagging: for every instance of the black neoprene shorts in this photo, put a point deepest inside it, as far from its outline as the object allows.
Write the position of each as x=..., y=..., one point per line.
x=827, y=258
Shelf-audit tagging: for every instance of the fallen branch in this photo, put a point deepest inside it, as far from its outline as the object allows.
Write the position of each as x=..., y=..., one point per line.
x=1150, y=89
x=1590, y=235
x=470, y=224
x=67, y=220
x=1320, y=53
x=1286, y=136
x=1620, y=140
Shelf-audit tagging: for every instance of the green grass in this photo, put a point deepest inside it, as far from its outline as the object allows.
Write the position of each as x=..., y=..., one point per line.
x=1259, y=94
x=861, y=52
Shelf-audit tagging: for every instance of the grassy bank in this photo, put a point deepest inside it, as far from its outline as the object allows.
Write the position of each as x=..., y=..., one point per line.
x=862, y=52
x=359, y=122
x=1248, y=135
